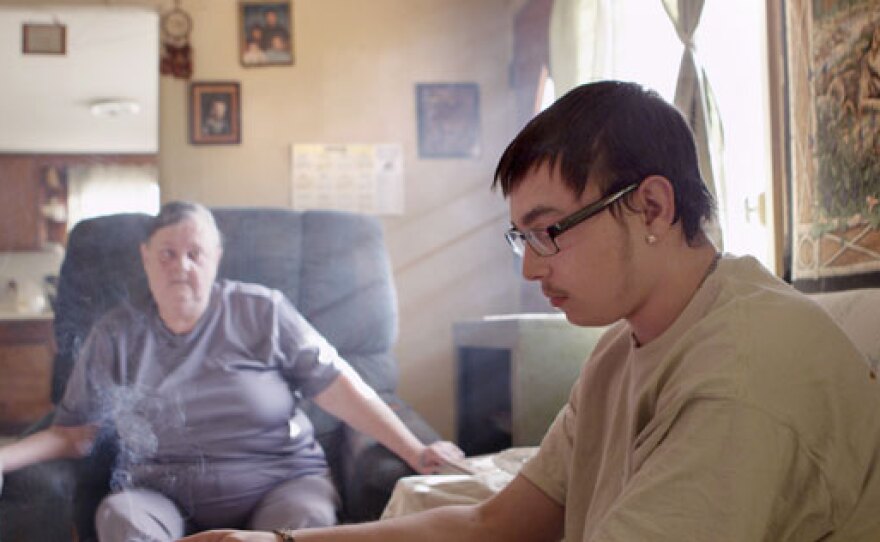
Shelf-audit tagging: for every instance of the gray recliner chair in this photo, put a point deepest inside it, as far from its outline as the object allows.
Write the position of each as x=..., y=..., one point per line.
x=333, y=266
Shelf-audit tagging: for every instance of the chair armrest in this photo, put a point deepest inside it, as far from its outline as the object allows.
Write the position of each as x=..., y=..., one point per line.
x=369, y=470
x=37, y=502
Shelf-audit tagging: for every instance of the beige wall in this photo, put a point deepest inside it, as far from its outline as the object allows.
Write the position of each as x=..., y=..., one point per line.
x=357, y=62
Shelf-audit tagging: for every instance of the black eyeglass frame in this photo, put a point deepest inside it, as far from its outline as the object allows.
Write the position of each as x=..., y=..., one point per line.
x=567, y=223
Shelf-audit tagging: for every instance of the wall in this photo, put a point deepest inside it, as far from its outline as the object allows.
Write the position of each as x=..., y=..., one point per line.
x=356, y=64
x=45, y=99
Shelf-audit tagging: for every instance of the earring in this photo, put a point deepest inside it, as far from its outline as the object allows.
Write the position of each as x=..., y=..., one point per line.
x=650, y=238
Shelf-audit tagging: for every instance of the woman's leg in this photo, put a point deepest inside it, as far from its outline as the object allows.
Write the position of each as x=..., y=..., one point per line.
x=307, y=501
x=138, y=515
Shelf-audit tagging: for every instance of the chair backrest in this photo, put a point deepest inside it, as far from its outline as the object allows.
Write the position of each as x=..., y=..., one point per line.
x=857, y=312
x=332, y=265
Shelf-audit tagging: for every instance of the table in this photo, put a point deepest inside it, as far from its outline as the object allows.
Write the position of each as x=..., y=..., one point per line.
x=490, y=474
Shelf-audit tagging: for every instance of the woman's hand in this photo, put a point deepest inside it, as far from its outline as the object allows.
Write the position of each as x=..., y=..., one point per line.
x=229, y=535
x=434, y=457
x=351, y=400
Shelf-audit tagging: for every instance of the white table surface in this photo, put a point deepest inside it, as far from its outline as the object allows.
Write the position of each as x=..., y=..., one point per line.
x=490, y=474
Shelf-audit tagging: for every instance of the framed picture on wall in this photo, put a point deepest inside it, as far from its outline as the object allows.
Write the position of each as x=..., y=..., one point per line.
x=449, y=120
x=43, y=39
x=214, y=113
x=833, y=118
x=266, y=32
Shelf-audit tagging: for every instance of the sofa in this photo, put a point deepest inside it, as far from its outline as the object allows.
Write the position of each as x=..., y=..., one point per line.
x=333, y=266
x=858, y=314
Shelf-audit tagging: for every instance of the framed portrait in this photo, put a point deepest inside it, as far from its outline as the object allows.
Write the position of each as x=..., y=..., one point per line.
x=266, y=32
x=448, y=119
x=214, y=113
x=833, y=155
x=44, y=39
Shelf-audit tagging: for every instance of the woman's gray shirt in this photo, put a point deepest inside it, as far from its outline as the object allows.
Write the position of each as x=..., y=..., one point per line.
x=211, y=412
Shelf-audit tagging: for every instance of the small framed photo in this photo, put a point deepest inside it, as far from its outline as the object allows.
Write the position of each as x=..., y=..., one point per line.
x=266, y=32
x=214, y=113
x=44, y=39
x=449, y=120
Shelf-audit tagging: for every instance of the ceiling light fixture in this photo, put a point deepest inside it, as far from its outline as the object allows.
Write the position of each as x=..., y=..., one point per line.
x=114, y=107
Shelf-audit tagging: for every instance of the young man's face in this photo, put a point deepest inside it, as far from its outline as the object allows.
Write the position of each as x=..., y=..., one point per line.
x=591, y=278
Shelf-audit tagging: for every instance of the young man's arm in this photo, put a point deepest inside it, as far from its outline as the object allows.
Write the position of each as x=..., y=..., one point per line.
x=519, y=512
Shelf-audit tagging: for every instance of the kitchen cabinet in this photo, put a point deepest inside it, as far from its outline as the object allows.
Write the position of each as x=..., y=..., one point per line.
x=34, y=195
x=22, y=226
x=26, y=353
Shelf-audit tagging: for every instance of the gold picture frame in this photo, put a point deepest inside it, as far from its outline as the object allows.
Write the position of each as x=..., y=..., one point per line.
x=215, y=113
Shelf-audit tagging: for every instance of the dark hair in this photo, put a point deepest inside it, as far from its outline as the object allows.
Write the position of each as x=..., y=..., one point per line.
x=612, y=133
x=175, y=212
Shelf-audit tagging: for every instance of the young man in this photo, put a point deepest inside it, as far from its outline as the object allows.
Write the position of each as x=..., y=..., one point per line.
x=720, y=405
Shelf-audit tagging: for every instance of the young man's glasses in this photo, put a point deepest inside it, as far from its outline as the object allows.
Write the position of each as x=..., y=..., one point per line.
x=543, y=242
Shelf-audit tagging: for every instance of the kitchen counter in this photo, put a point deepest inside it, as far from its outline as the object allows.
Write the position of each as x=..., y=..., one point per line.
x=7, y=315
x=26, y=352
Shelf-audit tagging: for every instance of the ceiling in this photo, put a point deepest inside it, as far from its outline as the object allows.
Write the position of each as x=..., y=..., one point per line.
x=45, y=100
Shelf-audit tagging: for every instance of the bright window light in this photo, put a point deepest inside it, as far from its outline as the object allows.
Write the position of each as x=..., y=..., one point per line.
x=99, y=190
x=731, y=47
x=549, y=93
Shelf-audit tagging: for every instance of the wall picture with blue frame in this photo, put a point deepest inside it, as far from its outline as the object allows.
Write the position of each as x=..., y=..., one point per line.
x=448, y=120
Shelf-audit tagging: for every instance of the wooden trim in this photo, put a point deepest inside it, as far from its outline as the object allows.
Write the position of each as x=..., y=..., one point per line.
x=778, y=141
x=64, y=160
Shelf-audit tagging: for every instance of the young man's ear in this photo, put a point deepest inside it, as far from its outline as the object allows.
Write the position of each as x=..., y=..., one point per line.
x=656, y=200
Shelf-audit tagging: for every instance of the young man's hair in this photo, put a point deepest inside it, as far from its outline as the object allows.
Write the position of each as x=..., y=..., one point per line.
x=614, y=134
x=175, y=212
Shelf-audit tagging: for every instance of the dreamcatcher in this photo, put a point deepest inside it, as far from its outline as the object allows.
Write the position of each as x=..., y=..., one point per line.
x=176, y=52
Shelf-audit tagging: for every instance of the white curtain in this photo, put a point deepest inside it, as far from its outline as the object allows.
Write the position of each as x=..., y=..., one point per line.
x=580, y=42
x=693, y=96
x=104, y=189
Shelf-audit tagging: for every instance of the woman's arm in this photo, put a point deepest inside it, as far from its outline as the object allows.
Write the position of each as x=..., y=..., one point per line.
x=55, y=442
x=354, y=402
x=519, y=512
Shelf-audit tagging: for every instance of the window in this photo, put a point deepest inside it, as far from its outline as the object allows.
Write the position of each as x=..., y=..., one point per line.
x=731, y=48
x=97, y=190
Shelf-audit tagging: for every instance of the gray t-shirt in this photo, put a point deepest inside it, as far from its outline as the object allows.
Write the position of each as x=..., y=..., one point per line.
x=206, y=415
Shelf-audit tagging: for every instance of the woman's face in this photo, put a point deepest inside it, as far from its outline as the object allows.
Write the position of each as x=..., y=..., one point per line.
x=181, y=264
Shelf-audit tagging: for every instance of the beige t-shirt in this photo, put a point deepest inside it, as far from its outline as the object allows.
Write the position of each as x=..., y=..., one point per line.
x=751, y=418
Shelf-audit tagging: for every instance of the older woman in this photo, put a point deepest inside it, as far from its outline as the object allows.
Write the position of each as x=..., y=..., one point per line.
x=197, y=386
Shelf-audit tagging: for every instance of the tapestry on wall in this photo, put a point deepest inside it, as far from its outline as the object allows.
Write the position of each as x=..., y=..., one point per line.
x=833, y=58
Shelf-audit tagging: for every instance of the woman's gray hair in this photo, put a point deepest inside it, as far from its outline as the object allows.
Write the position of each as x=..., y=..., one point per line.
x=175, y=212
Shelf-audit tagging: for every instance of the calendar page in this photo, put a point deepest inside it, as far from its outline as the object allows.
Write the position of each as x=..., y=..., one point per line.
x=364, y=178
